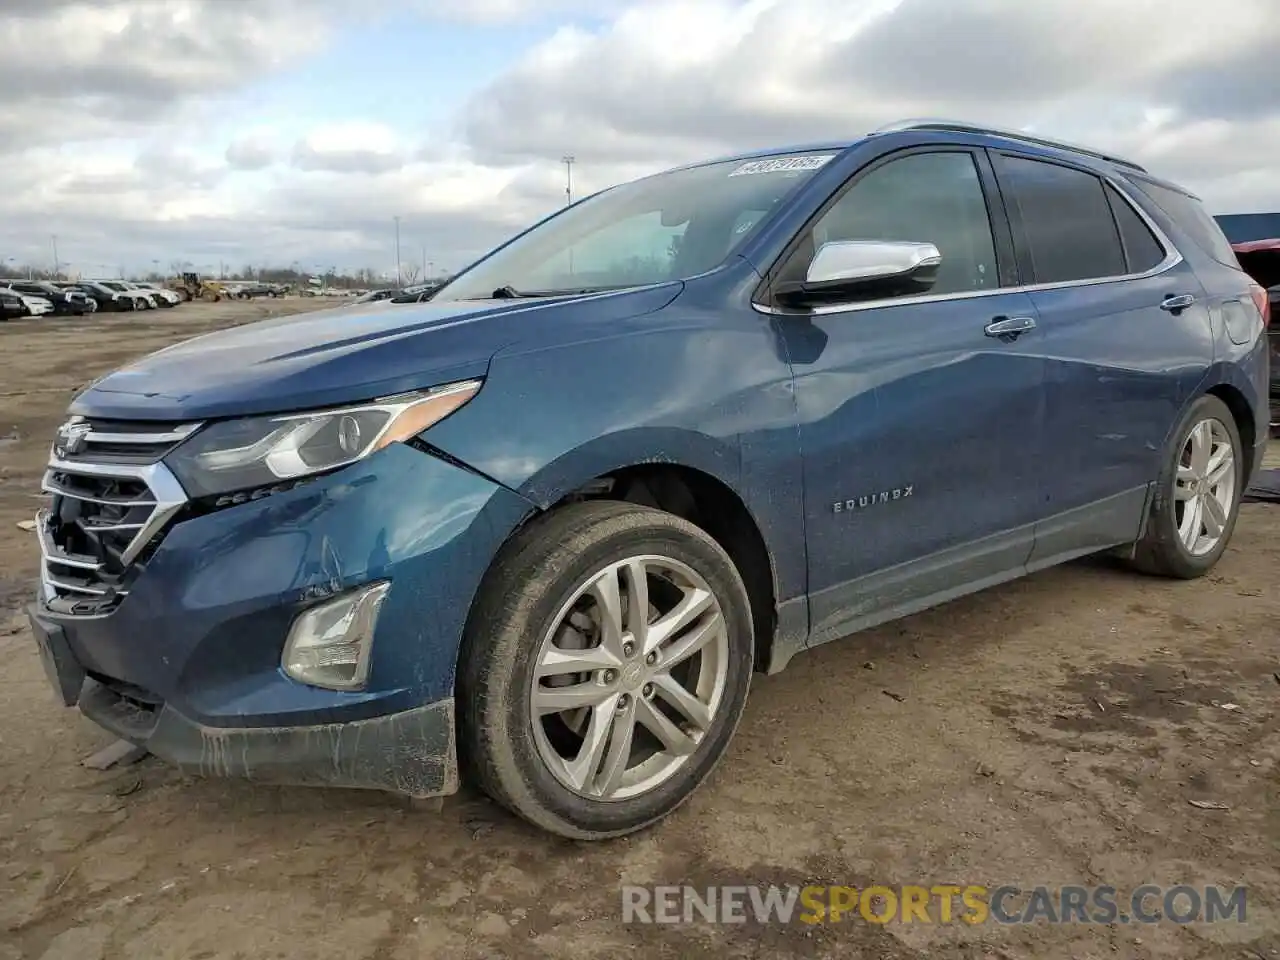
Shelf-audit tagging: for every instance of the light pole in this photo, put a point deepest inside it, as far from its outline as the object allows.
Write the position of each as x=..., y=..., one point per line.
x=55, y=256
x=399, y=278
x=568, y=162
x=431, y=270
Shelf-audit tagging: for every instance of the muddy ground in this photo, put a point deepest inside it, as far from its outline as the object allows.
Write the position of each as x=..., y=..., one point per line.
x=1051, y=731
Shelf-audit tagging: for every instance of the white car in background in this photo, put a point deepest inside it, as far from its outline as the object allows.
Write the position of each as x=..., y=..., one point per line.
x=163, y=296
x=36, y=306
x=143, y=299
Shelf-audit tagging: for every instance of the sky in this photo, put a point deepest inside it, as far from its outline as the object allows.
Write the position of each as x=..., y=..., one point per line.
x=146, y=133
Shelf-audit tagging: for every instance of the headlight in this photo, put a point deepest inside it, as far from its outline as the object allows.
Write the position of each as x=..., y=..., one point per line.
x=263, y=451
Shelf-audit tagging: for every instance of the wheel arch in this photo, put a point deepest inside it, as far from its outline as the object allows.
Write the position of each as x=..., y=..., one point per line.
x=715, y=507
x=700, y=494
x=1245, y=418
x=1247, y=401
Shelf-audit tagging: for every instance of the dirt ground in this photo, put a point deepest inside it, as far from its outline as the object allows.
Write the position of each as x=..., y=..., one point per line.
x=1051, y=731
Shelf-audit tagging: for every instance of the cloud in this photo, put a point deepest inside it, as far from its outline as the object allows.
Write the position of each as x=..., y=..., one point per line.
x=254, y=150
x=351, y=147
x=141, y=163
x=766, y=72
x=117, y=68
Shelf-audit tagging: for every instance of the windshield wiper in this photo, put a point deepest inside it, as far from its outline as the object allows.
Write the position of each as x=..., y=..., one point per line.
x=508, y=292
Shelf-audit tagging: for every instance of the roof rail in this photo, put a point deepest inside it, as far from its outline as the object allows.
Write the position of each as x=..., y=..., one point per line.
x=962, y=126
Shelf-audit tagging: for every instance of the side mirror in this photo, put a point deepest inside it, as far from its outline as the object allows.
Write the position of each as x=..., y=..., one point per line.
x=861, y=269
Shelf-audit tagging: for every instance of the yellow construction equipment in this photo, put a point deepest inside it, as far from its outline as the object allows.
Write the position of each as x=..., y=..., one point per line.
x=193, y=288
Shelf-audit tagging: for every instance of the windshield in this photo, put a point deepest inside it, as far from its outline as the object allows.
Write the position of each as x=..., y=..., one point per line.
x=665, y=227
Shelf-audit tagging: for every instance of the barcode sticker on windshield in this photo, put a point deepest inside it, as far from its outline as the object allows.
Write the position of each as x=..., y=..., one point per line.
x=782, y=164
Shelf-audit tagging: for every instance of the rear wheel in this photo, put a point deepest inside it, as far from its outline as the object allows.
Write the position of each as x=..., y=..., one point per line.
x=1197, y=497
x=604, y=670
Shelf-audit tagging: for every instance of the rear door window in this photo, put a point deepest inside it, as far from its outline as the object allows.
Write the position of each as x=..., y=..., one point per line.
x=1065, y=219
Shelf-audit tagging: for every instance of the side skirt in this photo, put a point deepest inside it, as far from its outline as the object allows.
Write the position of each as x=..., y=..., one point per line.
x=917, y=585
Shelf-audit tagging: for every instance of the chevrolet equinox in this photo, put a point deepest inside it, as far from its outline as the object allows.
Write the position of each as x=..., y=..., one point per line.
x=539, y=532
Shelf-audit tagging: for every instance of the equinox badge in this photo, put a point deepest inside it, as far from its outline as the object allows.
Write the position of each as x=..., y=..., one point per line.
x=872, y=499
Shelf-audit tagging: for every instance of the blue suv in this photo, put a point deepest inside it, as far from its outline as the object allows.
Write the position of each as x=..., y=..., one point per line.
x=539, y=532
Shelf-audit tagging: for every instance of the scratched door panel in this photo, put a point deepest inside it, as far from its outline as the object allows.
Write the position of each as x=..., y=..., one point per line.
x=919, y=434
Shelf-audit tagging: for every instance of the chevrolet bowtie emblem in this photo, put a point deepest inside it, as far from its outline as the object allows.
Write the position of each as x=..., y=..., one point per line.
x=70, y=438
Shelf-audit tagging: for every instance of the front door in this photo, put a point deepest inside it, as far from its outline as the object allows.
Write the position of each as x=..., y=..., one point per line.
x=919, y=426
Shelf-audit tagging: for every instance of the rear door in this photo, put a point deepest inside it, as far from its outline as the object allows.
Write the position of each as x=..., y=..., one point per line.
x=1127, y=339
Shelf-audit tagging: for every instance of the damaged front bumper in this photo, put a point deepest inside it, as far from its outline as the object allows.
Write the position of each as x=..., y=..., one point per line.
x=411, y=752
x=189, y=664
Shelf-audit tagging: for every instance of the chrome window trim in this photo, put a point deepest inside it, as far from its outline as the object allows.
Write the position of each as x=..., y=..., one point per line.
x=1171, y=259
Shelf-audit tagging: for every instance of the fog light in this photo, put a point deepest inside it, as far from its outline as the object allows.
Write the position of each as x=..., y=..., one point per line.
x=329, y=645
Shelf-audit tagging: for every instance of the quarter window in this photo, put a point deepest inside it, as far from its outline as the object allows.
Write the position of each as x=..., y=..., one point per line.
x=926, y=198
x=1066, y=219
x=1142, y=250
x=1190, y=214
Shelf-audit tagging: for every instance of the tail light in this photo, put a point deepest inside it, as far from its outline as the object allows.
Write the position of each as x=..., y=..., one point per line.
x=1262, y=301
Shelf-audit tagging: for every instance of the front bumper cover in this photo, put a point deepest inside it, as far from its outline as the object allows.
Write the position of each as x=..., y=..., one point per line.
x=411, y=752
x=187, y=665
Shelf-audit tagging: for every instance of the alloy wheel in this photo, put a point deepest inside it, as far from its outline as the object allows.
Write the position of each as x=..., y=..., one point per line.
x=628, y=680
x=1205, y=488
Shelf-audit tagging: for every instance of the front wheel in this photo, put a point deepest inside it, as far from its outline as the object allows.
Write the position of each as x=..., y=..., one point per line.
x=604, y=668
x=1197, y=499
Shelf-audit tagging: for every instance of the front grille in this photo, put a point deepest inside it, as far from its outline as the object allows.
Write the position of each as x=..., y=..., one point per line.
x=94, y=440
x=104, y=514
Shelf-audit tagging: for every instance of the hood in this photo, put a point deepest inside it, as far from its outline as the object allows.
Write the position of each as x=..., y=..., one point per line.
x=344, y=354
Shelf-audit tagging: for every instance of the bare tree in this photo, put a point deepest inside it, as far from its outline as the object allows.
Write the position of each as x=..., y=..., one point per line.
x=409, y=271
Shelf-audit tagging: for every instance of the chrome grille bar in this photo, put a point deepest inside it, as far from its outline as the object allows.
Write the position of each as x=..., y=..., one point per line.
x=103, y=514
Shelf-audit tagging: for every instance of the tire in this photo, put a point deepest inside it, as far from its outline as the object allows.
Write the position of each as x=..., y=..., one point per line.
x=1163, y=550
x=503, y=750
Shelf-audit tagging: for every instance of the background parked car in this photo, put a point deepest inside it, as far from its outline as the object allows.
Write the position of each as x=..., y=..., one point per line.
x=1261, y=260
x=65, y=302
x=105, y=297
x=247, y=291
x=374, y=295
x=11, y=305
x=142, y=299
x=25, y=305
x=162, y=296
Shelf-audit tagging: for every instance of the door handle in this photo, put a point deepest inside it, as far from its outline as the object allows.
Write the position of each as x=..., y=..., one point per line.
x=1009, y=328
x=1173, y=303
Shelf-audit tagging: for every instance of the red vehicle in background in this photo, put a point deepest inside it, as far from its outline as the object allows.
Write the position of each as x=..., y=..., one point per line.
x=1261, y=260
